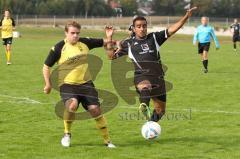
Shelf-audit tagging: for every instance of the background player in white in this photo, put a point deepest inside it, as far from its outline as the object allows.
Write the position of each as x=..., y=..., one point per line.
x=235, y=27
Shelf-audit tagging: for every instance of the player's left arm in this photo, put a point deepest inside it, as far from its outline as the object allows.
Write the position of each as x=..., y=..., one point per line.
x=1, y=23
x=175, y=27
x=13, y=24
x=108, y=43
x=109, y=33
x=215, y=38
x=96, y=42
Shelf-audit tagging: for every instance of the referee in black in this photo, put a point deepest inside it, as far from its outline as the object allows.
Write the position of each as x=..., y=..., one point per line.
x=235, y=27
x=143, y=50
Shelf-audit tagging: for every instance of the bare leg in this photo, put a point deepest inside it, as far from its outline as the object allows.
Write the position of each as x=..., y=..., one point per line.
x=144, y=89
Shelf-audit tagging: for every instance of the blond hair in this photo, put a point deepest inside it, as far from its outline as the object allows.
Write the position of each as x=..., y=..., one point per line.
x=72, y=24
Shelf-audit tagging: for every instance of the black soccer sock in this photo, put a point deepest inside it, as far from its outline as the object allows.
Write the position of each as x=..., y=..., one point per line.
x=205, y=64
x=156, y=117
x=234, y=45
x=145, y=96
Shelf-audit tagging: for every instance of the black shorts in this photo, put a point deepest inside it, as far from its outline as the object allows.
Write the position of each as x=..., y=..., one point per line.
x=158, y=86
x=84, y=93
x=203, y=47
x=235, y=38
x=7, y=41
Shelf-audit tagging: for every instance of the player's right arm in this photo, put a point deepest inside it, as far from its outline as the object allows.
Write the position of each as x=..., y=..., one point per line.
x=46, y=75
x=53, y=56
x=231, y=28
x=195, y=37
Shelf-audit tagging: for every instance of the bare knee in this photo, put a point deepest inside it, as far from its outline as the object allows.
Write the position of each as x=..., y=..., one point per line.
x=94, y=110
x=159, y=106
x=205, y=55
x=8, y=47
x=144, y=84
x=160, y=110
x=72, y=105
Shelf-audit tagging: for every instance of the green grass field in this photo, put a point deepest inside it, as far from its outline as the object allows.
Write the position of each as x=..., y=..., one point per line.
x=202, y=119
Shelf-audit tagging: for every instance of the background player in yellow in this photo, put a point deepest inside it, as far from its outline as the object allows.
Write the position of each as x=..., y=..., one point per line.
x=7, y=25
x=76, y=86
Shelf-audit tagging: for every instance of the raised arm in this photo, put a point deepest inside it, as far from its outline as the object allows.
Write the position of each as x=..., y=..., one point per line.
x=175, y=27
x=13, y=24
x=109, y=33
x=114, y=48
x=108, y=43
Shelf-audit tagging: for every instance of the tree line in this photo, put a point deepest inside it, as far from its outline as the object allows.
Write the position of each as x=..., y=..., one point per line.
x=217, y=8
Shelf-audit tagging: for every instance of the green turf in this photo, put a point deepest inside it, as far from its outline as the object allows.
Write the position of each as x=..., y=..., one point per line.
x=202, y=118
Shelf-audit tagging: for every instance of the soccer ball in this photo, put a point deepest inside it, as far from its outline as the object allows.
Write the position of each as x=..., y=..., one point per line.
x=151, y=130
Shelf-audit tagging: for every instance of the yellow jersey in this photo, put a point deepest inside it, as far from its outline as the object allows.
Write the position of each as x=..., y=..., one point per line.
x=72, y=60
x=7, y=25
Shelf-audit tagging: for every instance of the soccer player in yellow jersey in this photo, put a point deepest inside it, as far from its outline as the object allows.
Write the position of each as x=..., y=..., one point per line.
x=7, y=25
x=76, y=86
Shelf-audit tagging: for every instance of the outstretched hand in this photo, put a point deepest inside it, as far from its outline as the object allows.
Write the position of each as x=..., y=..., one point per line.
x=109, y=31
x=189, y=11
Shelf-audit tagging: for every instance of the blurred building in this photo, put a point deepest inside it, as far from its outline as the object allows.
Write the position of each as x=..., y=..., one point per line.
x=144, y=6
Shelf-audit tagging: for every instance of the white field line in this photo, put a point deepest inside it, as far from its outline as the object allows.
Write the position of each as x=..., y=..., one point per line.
x=13, y=99
x=189, y=109
x=31, y=101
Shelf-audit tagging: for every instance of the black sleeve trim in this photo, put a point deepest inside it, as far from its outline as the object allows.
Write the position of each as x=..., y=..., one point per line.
x=54, y=54
x=162, y=36
x=1, y=22
x=122, y=51
x=168, y=35
x=13, y=22
x=91, y=42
